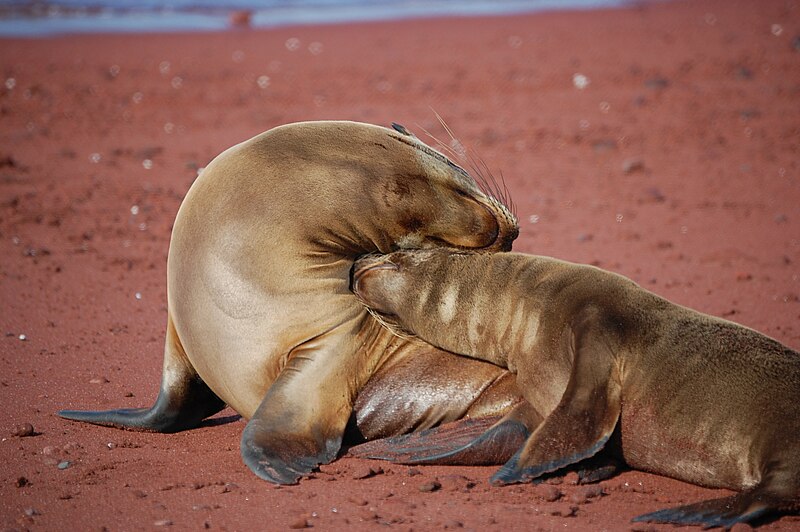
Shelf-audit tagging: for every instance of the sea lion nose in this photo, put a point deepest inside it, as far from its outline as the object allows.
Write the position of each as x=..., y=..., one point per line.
x=364, y=267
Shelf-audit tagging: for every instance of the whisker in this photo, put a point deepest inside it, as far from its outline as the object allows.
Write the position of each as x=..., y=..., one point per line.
x=441, y=145
x=508, y=201
x=480, y=166
x=466, y=157
x=444, y=124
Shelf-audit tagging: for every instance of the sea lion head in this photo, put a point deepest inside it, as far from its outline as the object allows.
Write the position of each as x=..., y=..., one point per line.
x=434, y=202
x=390, y=284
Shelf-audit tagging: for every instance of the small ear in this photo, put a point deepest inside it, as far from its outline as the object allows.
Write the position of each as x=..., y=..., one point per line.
x=402, y=129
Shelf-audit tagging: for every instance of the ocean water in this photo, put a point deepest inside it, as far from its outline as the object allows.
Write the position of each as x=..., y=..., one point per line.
x=31, y=18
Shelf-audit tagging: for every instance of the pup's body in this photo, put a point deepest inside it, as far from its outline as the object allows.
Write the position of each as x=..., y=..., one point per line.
x=691, y=396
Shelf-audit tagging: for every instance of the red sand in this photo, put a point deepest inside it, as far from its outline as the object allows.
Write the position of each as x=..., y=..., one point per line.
x=677, y=165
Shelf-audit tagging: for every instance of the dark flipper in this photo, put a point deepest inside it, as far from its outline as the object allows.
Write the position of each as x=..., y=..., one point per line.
x=183, y=402
x=283, y=458
x=301, y=421
x=725, y=512
x=463, y=442
x=598, y=468
x=583, y=421
x=481, y=441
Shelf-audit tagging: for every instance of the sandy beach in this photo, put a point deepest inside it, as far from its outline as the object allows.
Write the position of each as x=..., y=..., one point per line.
x=660, y=141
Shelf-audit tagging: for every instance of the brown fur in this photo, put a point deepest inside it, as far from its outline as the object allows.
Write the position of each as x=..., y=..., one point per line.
x=689, y=395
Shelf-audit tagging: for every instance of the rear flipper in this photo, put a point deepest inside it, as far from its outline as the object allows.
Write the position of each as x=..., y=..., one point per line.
x=598, y=468
x=743, y=507
x=582, y=423
x=482, y=441
x=183, y=402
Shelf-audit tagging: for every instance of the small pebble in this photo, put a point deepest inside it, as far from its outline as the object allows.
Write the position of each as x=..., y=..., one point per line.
x=565, y=511
x=431, y=486
x=71, y=447
x=64, y=465
x=452, y=523
x=412, y=472
x=367, y=472
x=579, y=497
x=595, y=490
x=22, y=482
x=743, y=72
x=548, y=492
x=23, y=430
x=162, y=522
x=632, y=165
x=654, y=194
x=299, y=523
x=30, y=512
x=580, y=81
x=229, y=487
x=456, y=483
x=657, y=83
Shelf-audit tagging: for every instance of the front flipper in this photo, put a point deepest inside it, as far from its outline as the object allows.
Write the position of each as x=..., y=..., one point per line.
x=281, y=457
x=481, y=441
x=583, y=421
x=183, y=401
x=725, y=512
x=300, y=423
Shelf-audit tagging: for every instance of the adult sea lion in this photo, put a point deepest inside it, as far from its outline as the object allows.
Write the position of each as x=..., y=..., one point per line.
x=260, y=315
x=683, y=394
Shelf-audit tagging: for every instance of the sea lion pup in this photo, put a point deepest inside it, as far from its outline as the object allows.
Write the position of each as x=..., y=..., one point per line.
x=260, y=316
x=685, y=394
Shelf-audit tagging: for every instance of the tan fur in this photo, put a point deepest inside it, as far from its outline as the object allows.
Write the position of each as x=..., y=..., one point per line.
x=259, y=306
x=705, y=400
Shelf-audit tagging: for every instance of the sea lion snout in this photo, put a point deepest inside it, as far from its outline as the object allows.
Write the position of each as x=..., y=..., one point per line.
x=372, y=271
x=507, y=226
x=495, y=228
